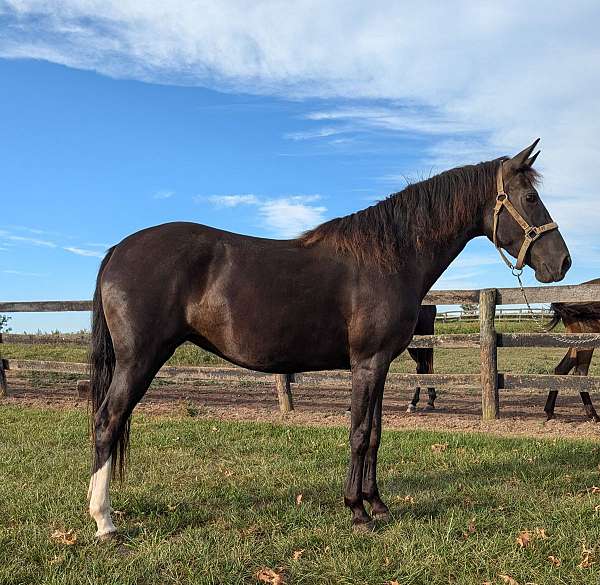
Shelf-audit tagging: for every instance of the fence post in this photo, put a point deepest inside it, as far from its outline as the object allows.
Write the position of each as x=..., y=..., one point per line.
x=3, y=384
x=284, y=392
x=490, y=403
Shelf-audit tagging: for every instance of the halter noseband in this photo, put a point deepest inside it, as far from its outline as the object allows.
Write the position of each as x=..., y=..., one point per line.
x=532, y=233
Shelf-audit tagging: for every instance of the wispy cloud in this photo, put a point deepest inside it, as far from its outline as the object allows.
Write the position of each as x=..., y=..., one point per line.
x=22, y=273
x=84, y=252
x=33, y=241
x=163, y=194
x=283, y=216
x=413, y=120
x=229, y=200
x=324, y=132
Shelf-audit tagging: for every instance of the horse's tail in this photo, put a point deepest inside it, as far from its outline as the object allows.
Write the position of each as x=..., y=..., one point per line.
x=558, y=312
x=102, y=366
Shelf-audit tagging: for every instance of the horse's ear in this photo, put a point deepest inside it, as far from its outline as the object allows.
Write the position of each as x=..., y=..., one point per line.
x=521, y=160
x=531, y=159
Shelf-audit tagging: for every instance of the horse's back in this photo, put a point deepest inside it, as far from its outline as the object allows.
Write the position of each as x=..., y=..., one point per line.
x=251, y=300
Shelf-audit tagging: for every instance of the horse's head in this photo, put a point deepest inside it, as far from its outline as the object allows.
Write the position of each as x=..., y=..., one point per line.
x=520, y=223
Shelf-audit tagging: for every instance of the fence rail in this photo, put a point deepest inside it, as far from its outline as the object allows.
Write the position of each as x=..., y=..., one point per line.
x=488, y=340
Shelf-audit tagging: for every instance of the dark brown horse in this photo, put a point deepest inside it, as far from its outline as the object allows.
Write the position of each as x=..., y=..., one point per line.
x=577, y=318
x=345, y=295
x=423, y=356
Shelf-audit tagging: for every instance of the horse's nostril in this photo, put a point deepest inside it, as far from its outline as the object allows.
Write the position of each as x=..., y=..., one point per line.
x=566, y=264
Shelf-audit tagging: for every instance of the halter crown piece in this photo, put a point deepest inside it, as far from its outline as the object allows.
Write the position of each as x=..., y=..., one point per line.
x=532, y=233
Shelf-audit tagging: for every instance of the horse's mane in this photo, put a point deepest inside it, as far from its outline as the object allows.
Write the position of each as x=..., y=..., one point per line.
x=433, y=210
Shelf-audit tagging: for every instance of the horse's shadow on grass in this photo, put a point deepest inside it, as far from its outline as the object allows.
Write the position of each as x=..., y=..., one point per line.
x=322, y=500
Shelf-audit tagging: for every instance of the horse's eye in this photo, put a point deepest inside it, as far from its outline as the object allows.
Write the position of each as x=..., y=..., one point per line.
x=531, y=197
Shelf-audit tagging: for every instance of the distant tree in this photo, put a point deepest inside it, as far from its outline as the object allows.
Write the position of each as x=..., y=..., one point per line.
x=4, y=319
x=469, y=309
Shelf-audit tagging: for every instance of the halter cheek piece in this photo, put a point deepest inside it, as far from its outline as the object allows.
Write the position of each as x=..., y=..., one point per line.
x=532, y=233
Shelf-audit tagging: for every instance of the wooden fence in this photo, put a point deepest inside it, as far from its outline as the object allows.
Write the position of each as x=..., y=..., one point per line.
x=488, y=340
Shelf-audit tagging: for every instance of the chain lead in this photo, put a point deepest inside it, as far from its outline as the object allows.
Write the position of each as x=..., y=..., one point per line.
x=539, y=323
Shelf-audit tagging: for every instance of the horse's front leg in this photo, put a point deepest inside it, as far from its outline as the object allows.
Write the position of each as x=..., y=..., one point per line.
x=370, y=491
x=368, y=378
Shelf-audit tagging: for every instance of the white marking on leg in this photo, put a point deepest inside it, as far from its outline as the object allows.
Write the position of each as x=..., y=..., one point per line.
x=100, y=499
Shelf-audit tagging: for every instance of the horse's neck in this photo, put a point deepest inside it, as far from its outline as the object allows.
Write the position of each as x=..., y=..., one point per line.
x=435, y=258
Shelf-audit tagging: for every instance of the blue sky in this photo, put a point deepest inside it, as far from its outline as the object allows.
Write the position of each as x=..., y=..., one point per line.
x=119, y=116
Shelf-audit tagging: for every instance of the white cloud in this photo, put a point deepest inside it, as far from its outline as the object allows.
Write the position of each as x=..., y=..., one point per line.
x=163, y=194
x=284, y=217
x=230, y=200
x=84, y=252
x=289, y=217
x=497, y=74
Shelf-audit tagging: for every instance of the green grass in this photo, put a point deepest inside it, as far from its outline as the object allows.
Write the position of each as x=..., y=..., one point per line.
x=213, y=502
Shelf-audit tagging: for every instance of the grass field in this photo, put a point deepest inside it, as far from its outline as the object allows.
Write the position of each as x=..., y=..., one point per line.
x=452, y=361
x=215, y=502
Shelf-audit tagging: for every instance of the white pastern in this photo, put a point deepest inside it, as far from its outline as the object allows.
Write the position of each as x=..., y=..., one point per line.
x=99, y=499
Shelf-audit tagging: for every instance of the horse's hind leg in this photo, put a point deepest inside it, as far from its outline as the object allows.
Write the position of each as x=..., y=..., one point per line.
x=426, y=367
x=584, y=358
x=412, y=405
x=563, y=368
x=111, y=424
x=415, y=354
x=431, y=398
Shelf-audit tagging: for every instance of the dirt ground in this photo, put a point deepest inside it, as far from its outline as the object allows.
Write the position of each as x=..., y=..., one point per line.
x=521, y=412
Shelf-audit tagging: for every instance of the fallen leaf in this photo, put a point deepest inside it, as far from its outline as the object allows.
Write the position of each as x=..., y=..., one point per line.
x=597, y=508
x=228, y=473
x=118, y=513
x=508, y=580
x=393, y=582
x=298, y=499
x=439, y=447
x=297, y=554
x=267, y=575
x=541, y=533
x=69, y=537
x=409, y=499
x=587, y=557
x=595, y=489
x=524, y=538
x=471, y=529
x=554, y=560
x=214, y=429
x=386, y=561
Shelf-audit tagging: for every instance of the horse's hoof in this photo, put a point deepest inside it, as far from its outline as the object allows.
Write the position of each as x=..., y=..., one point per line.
x=364, y=527
x=549, y=417
x=411, y=408
x=382, y=516
x=348, y=413
x=108, y=537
